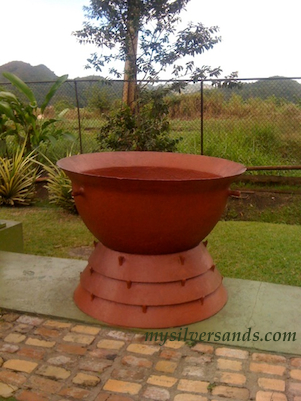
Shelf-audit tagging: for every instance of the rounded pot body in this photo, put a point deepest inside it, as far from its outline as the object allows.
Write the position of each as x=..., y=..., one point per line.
x=150, y=202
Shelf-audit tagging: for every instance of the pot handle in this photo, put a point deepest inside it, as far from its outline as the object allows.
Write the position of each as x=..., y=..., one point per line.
x=78, y=192
x=235, y=193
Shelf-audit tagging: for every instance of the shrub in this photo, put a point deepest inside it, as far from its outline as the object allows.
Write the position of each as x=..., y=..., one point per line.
x=147, y=129
x=17, y=179
x=59, y=188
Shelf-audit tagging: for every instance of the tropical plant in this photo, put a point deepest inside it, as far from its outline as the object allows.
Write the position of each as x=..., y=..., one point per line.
x=5, y=131
x=27, y=122
x=59, y=187
x=17, y=179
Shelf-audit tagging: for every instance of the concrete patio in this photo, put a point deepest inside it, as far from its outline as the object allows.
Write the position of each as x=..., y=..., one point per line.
x=45, y=286
x=50, y=350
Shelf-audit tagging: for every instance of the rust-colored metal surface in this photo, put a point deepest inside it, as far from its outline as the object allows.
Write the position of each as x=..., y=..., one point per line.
x=143, y=301
x=150, y=211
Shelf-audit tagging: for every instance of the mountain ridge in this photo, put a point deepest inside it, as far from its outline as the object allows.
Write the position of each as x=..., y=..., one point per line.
x=27, y=72
x=279, y=87
x=36, y=73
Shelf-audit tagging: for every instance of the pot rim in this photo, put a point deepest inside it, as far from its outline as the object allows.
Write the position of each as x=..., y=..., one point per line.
x=81, y=164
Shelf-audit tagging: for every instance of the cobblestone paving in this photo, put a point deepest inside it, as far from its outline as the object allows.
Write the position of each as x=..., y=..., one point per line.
x=44, y=359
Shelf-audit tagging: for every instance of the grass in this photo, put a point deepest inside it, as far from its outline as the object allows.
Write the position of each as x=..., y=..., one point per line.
x=49, y=231
x=244, y=140
x=257, y=251
x=265, y=208
x=246, y=250
x=247, y=141
x=254, y=140
x=8, y=399
x=252, y=131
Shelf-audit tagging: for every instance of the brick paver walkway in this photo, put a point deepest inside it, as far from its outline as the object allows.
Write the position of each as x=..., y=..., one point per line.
x=44, y=359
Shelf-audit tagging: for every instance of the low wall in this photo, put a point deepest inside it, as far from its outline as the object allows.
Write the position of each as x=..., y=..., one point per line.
x=11, y=236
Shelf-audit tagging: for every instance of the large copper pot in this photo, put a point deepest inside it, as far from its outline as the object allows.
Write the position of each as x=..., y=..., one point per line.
x=150, y=209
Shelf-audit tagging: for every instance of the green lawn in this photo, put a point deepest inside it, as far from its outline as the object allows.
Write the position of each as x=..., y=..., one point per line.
x=247, y=250
x=257, y=251
x=49, y=231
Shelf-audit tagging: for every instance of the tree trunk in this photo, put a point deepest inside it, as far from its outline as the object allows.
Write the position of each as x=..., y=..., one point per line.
x=129, y=87
x=130, y=69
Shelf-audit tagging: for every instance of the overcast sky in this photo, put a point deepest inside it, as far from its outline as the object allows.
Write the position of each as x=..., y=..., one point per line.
x=260, y=38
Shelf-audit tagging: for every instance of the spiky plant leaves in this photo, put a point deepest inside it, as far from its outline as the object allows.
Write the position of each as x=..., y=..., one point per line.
x=59, y=187
x=17, y=179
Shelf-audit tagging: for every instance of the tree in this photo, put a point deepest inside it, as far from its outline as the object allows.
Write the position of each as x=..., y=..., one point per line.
x=142, y=34
x=98, y=98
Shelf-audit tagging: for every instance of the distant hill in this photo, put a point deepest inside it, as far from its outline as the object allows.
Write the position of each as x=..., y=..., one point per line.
x=278, y=87
x=41, y=79
x=27, y=72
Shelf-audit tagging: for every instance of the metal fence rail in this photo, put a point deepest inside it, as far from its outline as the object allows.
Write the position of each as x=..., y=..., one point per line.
x=253, y=121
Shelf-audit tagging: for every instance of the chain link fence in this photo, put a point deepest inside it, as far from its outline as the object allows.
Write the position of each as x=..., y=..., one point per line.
x=253, y=121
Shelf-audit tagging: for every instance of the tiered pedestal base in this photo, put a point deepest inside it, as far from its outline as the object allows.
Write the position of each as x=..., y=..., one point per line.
x=150, y=291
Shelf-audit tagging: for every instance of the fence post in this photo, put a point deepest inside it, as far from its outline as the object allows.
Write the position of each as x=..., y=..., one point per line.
x=78, y=118
x=202, y=117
